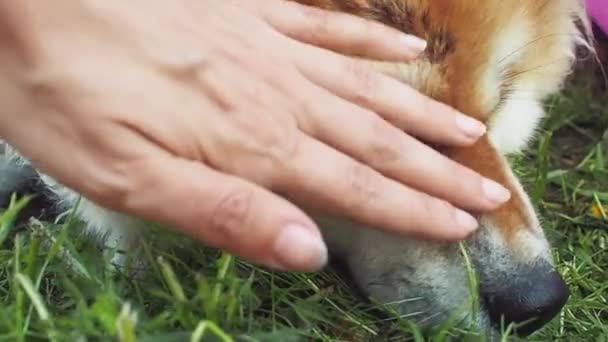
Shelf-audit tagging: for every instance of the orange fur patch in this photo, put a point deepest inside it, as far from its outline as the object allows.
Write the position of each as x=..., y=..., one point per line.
x=461, y=37
x=483, y=158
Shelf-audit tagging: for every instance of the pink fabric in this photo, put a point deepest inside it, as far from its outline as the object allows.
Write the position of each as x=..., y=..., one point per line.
x=598, y=9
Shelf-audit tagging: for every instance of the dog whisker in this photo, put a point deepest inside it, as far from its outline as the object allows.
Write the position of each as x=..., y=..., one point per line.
x=534, y=41
x=405, y=300
x=532, y=69
x=404, y=316
x=428, y=318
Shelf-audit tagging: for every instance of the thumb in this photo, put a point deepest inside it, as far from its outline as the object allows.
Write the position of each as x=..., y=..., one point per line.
x=227, y=212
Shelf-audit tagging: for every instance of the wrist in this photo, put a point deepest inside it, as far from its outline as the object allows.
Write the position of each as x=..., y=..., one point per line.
x=14, y=50
x=27, y=25
x=16, y=29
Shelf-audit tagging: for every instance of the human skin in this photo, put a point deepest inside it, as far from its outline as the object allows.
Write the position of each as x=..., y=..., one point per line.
x=223, y=118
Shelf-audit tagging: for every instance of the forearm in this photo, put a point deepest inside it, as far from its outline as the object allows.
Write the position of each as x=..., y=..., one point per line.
x=25, y=27
x=16, y=26
x=15, y=100
x=14, y=53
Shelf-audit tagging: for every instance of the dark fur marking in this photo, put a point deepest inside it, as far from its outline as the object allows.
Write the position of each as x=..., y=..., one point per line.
x=398, y=15
x=23, y=180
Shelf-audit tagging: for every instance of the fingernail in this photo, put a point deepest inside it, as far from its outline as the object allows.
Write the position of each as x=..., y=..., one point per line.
x=470, y=126
x=466, y=221
x=298, y=248
x=414, y=43
x=494, y=191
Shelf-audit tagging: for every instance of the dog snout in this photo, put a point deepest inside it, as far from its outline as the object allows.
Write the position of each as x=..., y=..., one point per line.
x=527, y=301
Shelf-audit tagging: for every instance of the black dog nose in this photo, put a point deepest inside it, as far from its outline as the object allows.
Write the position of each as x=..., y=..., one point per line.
x=529, y=300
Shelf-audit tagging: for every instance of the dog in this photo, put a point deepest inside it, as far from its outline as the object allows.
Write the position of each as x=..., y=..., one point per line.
x=495, y=60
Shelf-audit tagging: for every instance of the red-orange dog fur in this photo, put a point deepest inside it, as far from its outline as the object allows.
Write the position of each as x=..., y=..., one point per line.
x=465, y=68
x=496, y=60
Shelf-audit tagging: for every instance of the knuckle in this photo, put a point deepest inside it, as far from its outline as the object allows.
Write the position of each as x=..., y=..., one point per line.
x=320, y=18
x=365, y=82
x=232, y=214
x=362, y=186
x=256, y=147
x=277, y=140
x=120, y=184
x=385, y=144
x=110, y=191
x=286, y=148
x=55, y=87
x=428, y=207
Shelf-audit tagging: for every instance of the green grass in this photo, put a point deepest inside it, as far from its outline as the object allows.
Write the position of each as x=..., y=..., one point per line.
x=54, y=286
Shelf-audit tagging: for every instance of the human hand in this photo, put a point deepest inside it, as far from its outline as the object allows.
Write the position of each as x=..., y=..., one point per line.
x=197, y=113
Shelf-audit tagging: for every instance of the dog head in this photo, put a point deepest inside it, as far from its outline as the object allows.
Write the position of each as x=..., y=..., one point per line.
x=496, y=60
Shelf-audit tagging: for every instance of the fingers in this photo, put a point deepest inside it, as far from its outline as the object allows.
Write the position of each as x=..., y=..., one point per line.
x=227, y=212
x=224, y=211
x=312, y=174
x=341, y=32
x=325, y=179
x=259, y=145
x=135, y=171
x=395, y=101
x=393, y=153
